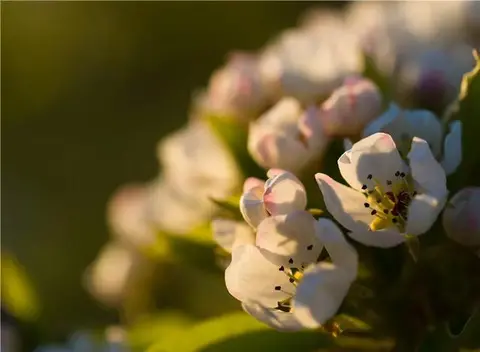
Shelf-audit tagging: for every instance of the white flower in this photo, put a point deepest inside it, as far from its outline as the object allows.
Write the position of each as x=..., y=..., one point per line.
x=403, y=125
x=280, y=194
x=197, y=164
x=173, y=211
x=308, y=63
x=113, y=274
x=279, y=280
x=237, y=89
x=128, y=215
x=230, y=233
x=388, y=199
x=461, y=217
x=350, y=107
x=287, y=137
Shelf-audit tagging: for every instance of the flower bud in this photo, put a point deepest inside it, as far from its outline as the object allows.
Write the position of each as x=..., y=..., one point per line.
x=461, y=217
x=128, y=216
x=287, y=137
x=351, y=107
x=236, y=89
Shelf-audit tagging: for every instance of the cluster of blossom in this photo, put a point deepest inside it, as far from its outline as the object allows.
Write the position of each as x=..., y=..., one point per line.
x=302, y=91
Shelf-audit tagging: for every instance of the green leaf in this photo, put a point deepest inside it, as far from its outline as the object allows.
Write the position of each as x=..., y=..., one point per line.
x=18, y=295
x=235, y=136
x=240, y=332
x=350, y=323
x=467, y=109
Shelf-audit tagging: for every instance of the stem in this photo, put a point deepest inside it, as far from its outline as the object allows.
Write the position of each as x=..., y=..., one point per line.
x=413, y=245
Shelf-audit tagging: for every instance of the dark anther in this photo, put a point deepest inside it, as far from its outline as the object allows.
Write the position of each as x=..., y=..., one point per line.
x=379, y=200
x=366, y=205
x=364, y=187
x=310, y=247
x=369, y=176
x=389, y=182
x=278, y=288
x=292, y=280
x=385, y=211
x=402, y=174
x=373, y=212
x=397, y=173
x=281, y=268
x=394, y=220
x=290, y=261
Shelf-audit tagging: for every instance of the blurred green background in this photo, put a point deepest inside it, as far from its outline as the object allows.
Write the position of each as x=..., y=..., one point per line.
x=88, y=88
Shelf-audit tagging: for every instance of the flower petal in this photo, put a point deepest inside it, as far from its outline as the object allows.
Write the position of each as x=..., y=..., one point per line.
x=251, y=183
x=452, y=149
x=251, y=277
x=284, y=193
x=320, y=294
x=385, y=238
x=344, y=203
x=251, y=206
x=281, y=321
x=289, y=239
x=375, y=155
x=425, y=169
x=386, y=118
x=229, y=233
x=422, y=213
x=425, y=125
x=340, y=251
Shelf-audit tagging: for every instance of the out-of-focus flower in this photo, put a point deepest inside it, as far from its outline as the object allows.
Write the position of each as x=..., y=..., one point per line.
x=279, y=280
x=350, y=107
x=236, y=89
x=196, y=163
x=282, y=193
x=113, y=274
x=403, y=125
x=287, y=137
x=10, y=340
x=308, y=63
x=128, y=216
x=388, y=199
x=461, y=217
x=83, y=342
x=230, y=233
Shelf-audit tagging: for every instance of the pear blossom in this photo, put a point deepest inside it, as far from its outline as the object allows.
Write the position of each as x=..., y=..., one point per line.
x=280, y=281
x=403, y=125
x=196, y=163
x=350, y=107
x=287, y=137
x=236, y=89
x=114, y=272
x=387, y=199
x=128, y=215
x=461, y=217
x=309, y=62
x=282, y=193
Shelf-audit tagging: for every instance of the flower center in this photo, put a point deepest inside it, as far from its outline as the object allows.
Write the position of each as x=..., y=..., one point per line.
x=389, y=202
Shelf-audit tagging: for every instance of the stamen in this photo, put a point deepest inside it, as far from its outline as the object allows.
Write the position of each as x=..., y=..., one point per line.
x=364, y=187
x=309, y=248
x=278, y=288
x=366, y=205
x=282, y=268
x=369, y=176
x=290, y=261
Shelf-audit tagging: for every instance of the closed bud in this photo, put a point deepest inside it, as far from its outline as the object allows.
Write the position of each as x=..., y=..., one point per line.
x=461, y=217
x=351, y=107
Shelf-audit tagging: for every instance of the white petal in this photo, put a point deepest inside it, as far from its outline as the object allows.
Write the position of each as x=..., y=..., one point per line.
x=425, y=169
x=251, y=277
x=382, y=121
x=289, y=237
x=385, y=238
x=251, y=183
x=251, y=206
x=284, y=193
x=282, y=321
x=344, y=203
x=320, y=294
x=374, y=155
x=340, y=251
x=452, y=149
x=425, y=125
x=229, y=233
x=422, y=213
